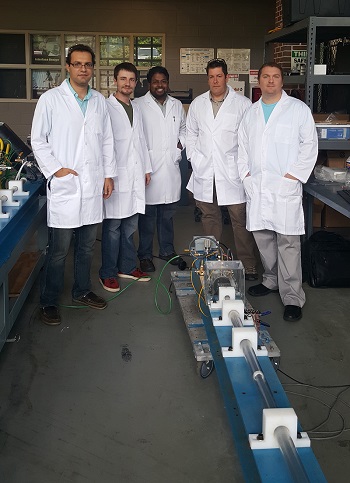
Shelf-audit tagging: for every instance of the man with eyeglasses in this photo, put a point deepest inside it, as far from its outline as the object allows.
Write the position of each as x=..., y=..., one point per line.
x=164, y=123
x=212, y=144
x=72, y=142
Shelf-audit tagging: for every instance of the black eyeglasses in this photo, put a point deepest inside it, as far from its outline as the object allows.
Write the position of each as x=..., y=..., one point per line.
x=79, y=65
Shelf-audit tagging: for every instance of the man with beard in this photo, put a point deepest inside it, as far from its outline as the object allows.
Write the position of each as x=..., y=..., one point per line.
x=164, y=123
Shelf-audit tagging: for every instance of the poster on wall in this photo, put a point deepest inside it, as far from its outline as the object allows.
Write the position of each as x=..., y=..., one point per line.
x=43, y=80
x=194, y=61
x=237, y=60
x=45, y=49
x=237, y=85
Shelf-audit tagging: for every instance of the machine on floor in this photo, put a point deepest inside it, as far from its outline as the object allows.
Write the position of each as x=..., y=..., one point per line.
x=226, y=333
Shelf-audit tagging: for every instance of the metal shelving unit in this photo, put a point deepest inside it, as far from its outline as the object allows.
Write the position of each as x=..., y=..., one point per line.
x=312, y=31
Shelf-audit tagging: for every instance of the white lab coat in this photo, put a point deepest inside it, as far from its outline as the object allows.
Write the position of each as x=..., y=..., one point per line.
x=62, y=137
x=212, y=145
x=287, y=143
x=133, y=162
x=162, y=136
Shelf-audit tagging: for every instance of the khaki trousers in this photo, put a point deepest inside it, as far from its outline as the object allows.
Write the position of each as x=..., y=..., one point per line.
x=212, y=225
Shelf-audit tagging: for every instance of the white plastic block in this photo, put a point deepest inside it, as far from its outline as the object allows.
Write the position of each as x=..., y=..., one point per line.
x=9, y=195
x=17, y=187
x=232, y=305
x=272, y=419
x=3, y=215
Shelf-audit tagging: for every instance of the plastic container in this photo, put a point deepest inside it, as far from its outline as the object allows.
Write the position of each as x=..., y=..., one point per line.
x=347, y=176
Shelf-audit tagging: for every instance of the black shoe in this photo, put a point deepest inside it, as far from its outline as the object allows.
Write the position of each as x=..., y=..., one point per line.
x=292, y=313
x=260, y=290
x=91, y=300
x=147, y=265
x=50, y=315
x=169, y=257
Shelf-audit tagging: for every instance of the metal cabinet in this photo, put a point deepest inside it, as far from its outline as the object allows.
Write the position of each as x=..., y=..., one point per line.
x=25, y=229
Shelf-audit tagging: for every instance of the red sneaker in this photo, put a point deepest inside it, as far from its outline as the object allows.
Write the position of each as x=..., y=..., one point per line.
x=110, y=284
x=137, y=274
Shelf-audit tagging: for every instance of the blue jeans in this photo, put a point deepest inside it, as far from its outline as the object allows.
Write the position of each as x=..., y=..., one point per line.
x=118, y=248
x=162, y=216
x=52, y=279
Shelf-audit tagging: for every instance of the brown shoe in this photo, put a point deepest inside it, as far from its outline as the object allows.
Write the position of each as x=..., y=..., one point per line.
x=92, y=300
x=251, y=274
x=50, y=315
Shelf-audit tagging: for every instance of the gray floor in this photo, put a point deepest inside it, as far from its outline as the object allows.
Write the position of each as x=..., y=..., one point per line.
x=113, y=395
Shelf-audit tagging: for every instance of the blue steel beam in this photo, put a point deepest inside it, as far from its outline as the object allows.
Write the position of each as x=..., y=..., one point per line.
x=244, y=406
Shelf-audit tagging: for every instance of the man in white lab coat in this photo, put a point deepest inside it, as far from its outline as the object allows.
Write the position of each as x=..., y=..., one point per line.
x=212, y=144
x=73, y=144
x=164, y=123
x=122, y=208
x=277, y=151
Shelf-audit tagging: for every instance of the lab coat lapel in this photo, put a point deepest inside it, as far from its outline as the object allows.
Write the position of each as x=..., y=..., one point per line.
x=69, y=99
x=152, y=103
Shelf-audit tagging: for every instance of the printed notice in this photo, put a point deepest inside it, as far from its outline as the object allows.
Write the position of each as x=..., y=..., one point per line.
x=194, y=61
x=237, y=60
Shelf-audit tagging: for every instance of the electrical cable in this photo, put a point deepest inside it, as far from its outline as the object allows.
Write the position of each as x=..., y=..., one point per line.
x=331, y=407
x=339, y=431
x=160, y=284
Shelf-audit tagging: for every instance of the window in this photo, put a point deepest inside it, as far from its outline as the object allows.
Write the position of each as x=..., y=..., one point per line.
x=148, y=51
x=33, y=62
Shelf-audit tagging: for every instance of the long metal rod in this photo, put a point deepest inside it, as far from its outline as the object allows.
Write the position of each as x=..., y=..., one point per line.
x=253, y=363
x=290, y=455
x=257, y=373
x=283, y=437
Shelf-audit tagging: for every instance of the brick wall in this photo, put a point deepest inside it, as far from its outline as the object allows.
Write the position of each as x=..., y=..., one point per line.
x=282, y=52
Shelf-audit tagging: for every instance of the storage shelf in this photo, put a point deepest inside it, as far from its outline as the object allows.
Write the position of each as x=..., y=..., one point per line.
x=312, y=31
x=328, y=28
x=331, y=144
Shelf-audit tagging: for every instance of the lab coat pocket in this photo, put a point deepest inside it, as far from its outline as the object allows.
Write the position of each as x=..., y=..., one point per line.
x=283, y=134
x=123, y=180
x=232, y=168
x=64, y=186
x=289, y=206
x=196, y=160
x=178, y=156
x=248, y=186
x=290, y=187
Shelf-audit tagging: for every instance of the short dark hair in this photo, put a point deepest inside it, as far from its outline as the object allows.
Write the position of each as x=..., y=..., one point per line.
x=214, y=63
x=158, y=69
x=128, y=66
x=271, y=64
x=80, y=48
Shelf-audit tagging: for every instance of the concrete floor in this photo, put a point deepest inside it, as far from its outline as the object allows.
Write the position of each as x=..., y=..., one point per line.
x=113, y=396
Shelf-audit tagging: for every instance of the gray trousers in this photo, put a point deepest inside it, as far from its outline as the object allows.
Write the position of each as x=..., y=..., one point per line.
x=281, y=259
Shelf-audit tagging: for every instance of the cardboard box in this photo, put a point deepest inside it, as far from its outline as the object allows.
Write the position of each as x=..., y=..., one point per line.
x=317, y=212
x=337, y=159
x=323, y=116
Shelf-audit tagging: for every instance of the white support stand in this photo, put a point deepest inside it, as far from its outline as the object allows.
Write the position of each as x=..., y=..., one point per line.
x=227, y=306
x=17, y=187
x=3, y=216
x=273, y=418
x=238, y=335
x=9, y=195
